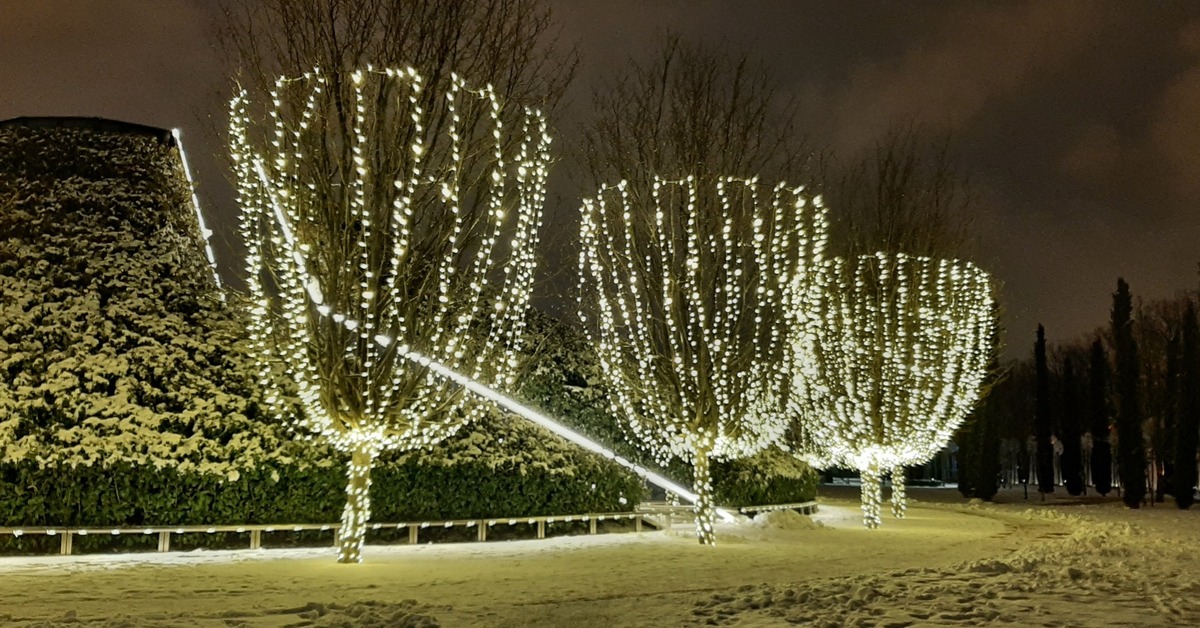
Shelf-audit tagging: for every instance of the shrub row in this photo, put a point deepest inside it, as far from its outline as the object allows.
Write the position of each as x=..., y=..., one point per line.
x=126, y=495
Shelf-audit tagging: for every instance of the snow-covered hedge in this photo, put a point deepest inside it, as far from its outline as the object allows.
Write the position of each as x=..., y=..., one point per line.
x=115, y=347
x=411, y=489
x=126, y=398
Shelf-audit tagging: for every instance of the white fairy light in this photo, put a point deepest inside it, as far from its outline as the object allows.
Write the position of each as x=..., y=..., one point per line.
x=686, y=292
x=381, y=245
x=901, y=347
x=205, y=232
x=503, y=400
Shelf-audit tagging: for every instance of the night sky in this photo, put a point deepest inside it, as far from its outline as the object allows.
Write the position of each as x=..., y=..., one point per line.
x=1080, y=121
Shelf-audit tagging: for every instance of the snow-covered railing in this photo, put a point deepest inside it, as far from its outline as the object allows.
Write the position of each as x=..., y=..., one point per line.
x=668, y=512
x=804, y=508
x=67, y=534
x=646, y=513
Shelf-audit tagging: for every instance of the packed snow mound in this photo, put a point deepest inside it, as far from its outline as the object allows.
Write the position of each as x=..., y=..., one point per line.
x=370, y=614
x=785, y=520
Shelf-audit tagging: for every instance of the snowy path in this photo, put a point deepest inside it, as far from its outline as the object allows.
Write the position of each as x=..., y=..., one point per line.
x=944, y=565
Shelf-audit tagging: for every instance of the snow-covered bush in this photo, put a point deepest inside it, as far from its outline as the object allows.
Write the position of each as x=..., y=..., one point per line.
x=126, y=397
x=115, y=346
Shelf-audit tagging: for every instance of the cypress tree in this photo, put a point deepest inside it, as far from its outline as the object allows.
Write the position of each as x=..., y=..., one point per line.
x=1131, y=453
x=1072, y=454
x=979, y=437
x=967, y=454
x=1042, y=418
x=1187, y=431
x=1163, y=440
x=1098, y=420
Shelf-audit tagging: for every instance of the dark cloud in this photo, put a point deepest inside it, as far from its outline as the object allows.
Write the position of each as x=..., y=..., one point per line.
x=1079, y=120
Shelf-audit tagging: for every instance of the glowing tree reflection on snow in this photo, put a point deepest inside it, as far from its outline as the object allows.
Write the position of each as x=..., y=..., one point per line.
x=381, y=218
x=900, y=350
x=687, y=291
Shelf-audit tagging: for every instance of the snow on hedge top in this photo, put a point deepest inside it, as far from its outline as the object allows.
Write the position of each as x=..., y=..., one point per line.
x=114, y=343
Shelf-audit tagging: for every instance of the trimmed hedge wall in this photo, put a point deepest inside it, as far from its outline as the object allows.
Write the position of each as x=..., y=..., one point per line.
x=135, y=496
x=770, y=477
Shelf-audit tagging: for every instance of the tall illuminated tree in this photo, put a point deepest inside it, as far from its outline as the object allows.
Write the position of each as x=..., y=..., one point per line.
x=689, y=132
x=900, y=351
x=688, y=288
x=384, y=215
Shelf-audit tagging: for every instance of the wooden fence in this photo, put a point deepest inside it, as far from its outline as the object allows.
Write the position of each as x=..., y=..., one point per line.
x=656, y=515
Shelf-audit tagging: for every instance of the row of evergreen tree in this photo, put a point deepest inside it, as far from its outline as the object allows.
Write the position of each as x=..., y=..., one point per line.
x=1131, y=388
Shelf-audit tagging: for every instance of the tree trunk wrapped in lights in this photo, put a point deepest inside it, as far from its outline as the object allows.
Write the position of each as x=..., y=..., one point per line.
x=899, y=351
x=382, y=216
x=687, y=291
x=899, y=496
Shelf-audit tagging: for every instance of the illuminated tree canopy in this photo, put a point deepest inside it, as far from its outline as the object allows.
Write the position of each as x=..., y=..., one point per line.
x=384, y=215
x=900, y=351
x=687, y=291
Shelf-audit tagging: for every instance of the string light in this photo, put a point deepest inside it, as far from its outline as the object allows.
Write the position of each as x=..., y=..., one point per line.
x=342, y=252
x=205, y=232
x=687, y=290
x=901, y=347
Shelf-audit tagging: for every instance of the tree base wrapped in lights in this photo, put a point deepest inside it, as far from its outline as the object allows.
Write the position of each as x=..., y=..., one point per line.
x=901, y=348
x=899, y=497
x=872, y=496
x=353, y=532
x=705, y=507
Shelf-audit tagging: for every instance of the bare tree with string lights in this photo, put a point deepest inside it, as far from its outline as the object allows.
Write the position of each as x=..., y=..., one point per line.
x=386, y=218
x=686, y=263
x=900, y=350
x=688, y=289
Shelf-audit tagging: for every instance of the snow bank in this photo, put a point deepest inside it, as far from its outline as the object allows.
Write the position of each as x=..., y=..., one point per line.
x=1096, y=573
x=942, y=566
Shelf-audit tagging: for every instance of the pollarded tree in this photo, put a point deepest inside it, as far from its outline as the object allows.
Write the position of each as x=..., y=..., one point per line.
x=383, y=223
x=706, y=251
x=688, y=289
x=900, y=353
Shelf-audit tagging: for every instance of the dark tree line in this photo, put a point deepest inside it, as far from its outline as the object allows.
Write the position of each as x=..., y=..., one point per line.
x=1133, y=385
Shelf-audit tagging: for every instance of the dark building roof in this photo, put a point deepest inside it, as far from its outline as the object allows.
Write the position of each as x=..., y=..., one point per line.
x=98, y=124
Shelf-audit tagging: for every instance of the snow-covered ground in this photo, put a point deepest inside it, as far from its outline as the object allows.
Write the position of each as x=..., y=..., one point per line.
x=1020, y=564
